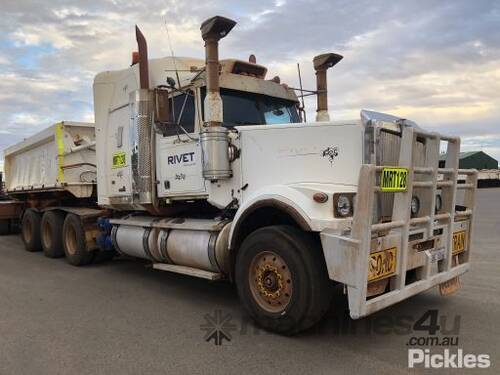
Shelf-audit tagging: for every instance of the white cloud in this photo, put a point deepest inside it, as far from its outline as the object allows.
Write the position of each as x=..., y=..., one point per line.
x=437, y=63
x=31, y=35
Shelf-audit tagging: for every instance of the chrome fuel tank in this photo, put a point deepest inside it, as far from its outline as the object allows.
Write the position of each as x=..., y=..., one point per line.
x=196, y=243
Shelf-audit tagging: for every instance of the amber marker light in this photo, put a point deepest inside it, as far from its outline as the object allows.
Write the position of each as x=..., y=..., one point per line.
x=320, y=197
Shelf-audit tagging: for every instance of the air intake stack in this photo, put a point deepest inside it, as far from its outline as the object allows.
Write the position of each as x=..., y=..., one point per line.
x=214, y=137
x=321, y=64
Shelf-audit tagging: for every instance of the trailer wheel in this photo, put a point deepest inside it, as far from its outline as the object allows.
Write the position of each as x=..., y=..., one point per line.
x=282, y=279
x=30, y=230
x=75, y=247
x=51, y=234
x=4, y=227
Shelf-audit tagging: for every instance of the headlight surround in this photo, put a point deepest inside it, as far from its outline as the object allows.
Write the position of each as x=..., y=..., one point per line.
x=415, y=206
x=343, y=205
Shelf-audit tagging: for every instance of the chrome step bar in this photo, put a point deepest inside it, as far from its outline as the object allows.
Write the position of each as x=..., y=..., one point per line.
x=189, y=271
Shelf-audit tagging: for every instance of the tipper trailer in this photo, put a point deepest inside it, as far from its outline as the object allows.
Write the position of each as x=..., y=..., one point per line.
x=208, y=169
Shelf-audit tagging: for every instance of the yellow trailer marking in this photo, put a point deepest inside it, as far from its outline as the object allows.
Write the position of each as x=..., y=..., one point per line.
x=60, y=152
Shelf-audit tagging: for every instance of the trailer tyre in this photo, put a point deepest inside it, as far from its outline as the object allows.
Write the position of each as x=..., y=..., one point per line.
x=282, y=279
x=51, y=234
x=74, y=244
x=4, y=227
x=30, y=230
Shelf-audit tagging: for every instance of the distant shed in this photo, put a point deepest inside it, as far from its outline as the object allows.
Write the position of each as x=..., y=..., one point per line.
x=473, y=159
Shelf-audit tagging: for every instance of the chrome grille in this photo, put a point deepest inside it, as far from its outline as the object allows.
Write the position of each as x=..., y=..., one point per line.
x=389, y=144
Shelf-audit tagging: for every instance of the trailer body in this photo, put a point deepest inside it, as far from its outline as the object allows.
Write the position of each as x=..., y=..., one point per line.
x=59, y=158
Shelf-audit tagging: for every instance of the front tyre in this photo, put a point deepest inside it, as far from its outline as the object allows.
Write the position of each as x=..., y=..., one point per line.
x=282, y=279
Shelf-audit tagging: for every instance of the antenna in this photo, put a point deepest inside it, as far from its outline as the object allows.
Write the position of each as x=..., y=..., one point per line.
x=303, y=109
x=172, y=54
x=179, y=88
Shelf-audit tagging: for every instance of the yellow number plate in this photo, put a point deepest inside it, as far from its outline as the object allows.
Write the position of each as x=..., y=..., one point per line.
x=119, y=159
x=394, y=179
x=382, y=264
x=458, y=242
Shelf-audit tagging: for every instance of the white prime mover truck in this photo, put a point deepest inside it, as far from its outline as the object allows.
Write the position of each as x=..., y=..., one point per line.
x=207, y=168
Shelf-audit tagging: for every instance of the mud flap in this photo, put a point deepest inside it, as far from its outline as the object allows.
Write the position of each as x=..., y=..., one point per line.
x=449, y=287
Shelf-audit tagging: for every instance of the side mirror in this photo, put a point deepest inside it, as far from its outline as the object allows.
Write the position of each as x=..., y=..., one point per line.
x=171, y=82
x=161, y=110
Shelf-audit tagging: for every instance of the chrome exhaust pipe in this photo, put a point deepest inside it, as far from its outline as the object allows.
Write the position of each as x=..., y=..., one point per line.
x=142, y=105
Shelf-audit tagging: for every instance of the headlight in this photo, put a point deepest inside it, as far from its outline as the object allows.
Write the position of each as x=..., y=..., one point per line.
x=415, y=206
x=343, y=205
x=438, y=203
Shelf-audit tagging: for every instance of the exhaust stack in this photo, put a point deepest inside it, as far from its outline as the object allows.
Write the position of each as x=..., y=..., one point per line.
x=142, y=107
x=143, y=58
x=321, y=64
x=214, y=137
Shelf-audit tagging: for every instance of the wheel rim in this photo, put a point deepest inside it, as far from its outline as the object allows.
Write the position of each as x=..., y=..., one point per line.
x=270, y=281
x=27, y=230
x=46, y=235
x=71, y=240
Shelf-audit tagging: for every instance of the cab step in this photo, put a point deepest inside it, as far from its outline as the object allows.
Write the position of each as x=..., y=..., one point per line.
x=190, y=271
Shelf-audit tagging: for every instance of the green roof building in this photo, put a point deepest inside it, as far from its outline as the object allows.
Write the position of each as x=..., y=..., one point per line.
x=473, y=160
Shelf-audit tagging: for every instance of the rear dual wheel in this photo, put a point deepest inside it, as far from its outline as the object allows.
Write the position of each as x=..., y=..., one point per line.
x=51, y=234
x=282, y=279
x=56, y=235
x=74, y=243
x=30, y=230
x=43, y=232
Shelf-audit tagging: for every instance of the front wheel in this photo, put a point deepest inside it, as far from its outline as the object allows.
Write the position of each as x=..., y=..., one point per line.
x=282, y=279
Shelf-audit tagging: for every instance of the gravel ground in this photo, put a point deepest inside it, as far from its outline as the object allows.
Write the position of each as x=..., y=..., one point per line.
x=122, y=317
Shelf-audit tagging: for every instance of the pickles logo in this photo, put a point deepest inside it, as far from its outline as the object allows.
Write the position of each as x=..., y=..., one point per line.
x=447, y=359
x=331, y=153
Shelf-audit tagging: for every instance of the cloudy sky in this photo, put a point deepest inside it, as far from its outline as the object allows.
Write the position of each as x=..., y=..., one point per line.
x=435, y=62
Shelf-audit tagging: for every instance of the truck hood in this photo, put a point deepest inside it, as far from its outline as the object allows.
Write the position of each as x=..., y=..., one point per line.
x=319, y=153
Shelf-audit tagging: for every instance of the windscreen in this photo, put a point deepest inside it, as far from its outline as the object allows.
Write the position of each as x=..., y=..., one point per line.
x=246, y=108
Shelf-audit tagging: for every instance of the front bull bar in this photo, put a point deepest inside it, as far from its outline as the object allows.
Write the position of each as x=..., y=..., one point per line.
x=347, y=255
